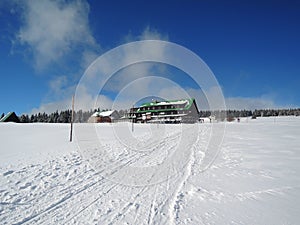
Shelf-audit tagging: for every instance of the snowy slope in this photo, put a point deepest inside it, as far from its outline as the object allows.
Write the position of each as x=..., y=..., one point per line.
x=151, y=176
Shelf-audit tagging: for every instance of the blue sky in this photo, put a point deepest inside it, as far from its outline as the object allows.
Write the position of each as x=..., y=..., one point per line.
x=252, y=47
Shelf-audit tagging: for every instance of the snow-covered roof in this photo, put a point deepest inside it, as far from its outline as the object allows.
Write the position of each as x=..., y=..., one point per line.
x=103, y=114
x=95, y=114
x=172, y=102
x=10, y=117
x=106, y=113
x=5, y=117
x=179, y=102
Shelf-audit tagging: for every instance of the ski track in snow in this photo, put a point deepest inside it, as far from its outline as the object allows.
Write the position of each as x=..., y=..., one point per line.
x=236, y=189
x=175, y=201
x=51, y=209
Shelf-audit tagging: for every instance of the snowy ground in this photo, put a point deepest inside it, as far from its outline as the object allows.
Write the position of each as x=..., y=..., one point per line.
x=108, y=176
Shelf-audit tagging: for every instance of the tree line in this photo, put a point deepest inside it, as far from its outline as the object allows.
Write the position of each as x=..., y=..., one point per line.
x=62, y=116
x=56, y=117
x=83, y=116
x=249, y=113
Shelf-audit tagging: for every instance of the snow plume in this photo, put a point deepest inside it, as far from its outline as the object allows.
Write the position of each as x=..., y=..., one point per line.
x=53, y=30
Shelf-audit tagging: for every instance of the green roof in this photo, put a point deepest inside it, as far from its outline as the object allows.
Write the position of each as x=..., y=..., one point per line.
x=188, y=103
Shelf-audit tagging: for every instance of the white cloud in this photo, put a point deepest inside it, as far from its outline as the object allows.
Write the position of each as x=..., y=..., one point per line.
x=58, y=84
x=58, y=97
x=88, y=56
x=106, y=67
x=148, y=33
x=62, y=92
x=131, y=79
x=152, y=34
x=55, y=29
x=56, y=33
x=145, y=87
x=131, y=73
x=84, y=102
x=250, y=103
x=237, y=103
x=53, y=106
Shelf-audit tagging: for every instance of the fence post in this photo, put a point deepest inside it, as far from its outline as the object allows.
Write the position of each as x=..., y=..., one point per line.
x=72, y=118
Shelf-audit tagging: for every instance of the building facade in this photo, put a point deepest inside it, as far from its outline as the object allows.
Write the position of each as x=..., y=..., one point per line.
x=174, y=111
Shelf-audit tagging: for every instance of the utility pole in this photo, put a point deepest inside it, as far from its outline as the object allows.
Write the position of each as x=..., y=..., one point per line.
x=72, y=118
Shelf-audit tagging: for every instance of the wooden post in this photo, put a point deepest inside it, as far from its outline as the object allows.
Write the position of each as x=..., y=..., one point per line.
x=132, y=128
x=72, y=118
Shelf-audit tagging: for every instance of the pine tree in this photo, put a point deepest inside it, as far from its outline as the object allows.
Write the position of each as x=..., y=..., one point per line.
x=24, y=119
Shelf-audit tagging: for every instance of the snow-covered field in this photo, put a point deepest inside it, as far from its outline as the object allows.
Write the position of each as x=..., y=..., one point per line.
x=153, y=175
